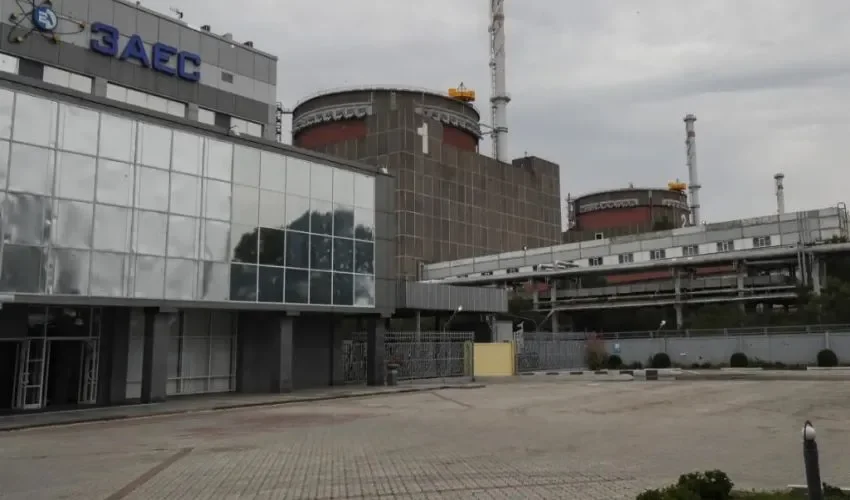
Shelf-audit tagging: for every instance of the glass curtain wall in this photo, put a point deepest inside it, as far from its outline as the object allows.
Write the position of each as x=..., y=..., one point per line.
x=102, y=205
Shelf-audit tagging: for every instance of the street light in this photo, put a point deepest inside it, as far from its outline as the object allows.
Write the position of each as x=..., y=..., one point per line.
x=811, y=462
x=446, y=324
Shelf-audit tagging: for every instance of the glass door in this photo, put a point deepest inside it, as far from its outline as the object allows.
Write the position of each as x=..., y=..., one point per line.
x=88, y=373
x=29, y=394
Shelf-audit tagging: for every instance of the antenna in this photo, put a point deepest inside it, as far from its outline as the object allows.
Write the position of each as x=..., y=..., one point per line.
x=499, y=97
x=780, y=193
x=177, y=12
x=691, y=150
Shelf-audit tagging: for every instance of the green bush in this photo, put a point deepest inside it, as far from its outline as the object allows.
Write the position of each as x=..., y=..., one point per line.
x=739, y=360
x=709, y=485
x=660, y=360
x=615, y=362
x=827, y=358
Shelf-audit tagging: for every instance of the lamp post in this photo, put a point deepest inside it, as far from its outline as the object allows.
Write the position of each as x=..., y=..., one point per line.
x=446, y=324
x=810, y=460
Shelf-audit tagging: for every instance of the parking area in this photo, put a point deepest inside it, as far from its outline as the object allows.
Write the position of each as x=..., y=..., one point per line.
x=530, y=439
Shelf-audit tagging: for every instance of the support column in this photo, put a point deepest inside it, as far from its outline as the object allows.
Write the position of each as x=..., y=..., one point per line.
x=337, y=335
x=265, y=353
x=158, y=326
x=553, y=296
x=375, y=353
x=816, y=275
x=741, y=273
x=113, y=356
x=677, y=287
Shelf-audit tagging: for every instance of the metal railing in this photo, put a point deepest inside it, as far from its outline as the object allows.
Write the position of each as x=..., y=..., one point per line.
x=419, y=355
x=716, y=332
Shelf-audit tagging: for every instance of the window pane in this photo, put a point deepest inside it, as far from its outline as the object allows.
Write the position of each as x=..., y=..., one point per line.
x=72, y=224
x=75, y=176
x=245, y=205
x=111, y=228
x=273, y=172
x=80, y=83
x=9, y=64
x=321, y=252
x=246, y=166
x=151, y=230
x=117, y=138
x=297, y=286
x=297, y=176
x=217, y=199
x=23, y=269
x=70, y=271
x=183, y=236
x=180, y=279
x=35, y=120
x=185, y=195
x=364, y=224
x=155, y=144
x=243, y=282
x=78, y=129
x=272, y=248
x=343, y=186
x=297, y=213
x=108, y=274
x=115, y=182
x=149, y=277
x=7, y=101
x=297, y=249
x=364, y=191
x=343, y=288
x=243, y=243
x=31, y=169
x=270, y=287
x=216, y=241
x=214, y=281
x=344, y=221
x=364, y=257
x=187, y=153
x=56, y=76
x=272, y=209
x=4, y=164
x=343, y=255
x=321, y=217
x=219, y=160
x=206, y=116
x=321, y=182
x=152, y=191
x=24, y=218
x=116, y=92
x=320, y=287
x=364, y=291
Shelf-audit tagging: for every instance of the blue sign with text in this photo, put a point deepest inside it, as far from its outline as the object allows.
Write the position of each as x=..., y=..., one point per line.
x=105, y=40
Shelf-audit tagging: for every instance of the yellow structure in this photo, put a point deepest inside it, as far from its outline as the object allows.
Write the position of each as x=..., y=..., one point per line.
x=462, y=94
x=494, y=360
x=677, y=186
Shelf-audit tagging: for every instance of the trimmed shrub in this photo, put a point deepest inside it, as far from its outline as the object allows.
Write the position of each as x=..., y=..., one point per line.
x=615, y=362
x=739, y=360
x=710, y=485
x=827, y=358
x=660, y=360
x=596, y=356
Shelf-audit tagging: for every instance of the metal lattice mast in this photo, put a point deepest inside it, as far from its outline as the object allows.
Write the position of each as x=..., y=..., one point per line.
x=499, y=97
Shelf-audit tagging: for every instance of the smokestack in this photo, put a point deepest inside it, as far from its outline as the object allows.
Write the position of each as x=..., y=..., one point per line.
x=780, y=193
x=499, y=97
x=691, y=150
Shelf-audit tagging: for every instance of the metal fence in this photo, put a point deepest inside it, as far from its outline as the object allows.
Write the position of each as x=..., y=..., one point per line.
x=717, y=332
x=419, y=355
x=550, y=352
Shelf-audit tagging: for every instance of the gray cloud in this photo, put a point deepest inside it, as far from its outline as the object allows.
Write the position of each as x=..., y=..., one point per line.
x=601, y=87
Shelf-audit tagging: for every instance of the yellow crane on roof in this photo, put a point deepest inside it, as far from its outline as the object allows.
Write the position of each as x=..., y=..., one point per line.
x=462, y=94
x=677, y=186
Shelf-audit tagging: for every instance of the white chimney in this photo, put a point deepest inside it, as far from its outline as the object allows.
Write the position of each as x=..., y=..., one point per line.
x=780, y=193
x=691, y=150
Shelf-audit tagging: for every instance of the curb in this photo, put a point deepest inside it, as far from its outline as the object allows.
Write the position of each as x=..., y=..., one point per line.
x=232, y=406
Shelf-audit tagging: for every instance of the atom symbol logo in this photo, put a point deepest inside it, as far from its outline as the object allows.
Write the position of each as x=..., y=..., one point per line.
x=39, y=17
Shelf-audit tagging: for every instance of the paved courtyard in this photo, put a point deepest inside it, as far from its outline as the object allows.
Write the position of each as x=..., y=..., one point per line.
x=522, y=440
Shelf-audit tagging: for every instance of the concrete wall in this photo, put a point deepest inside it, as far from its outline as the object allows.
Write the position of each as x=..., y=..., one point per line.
x=788, y=349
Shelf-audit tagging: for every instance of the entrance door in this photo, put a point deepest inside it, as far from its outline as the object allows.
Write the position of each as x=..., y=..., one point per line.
x=29, y=393
x=88, y=373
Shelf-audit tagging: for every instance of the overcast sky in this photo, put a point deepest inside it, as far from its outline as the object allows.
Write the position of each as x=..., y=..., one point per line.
x=600, y=87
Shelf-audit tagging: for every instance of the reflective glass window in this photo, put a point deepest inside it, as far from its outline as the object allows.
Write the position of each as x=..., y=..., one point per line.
x=157, y=103
x=187, y=153
x=35, y=120
x=24, y=217
x=116, y=92
x=321, y=182
x=321, y=217
x=344, y=221
x=217, y=199
x=364, y=257
x=254, y=129
x=4, y=164
x=216, y=240
x=72, y=224
x=9, y=64
x=149, y=277
x=80, y=83
x=70, y=271
x=218, y=160
x=214, y=281
x=246, y=166
x=321, y=252
x=364, y=290
x=272, y=247
x=108, y=274
x=297, y=213
x=272, y=209
x=244, y=243
x=137, y=98
x=364, y=224
x=154, y=146
x=243, y=282
x=78, y=129
x=185, y=195
x=273, y=172
x=297, y=249
x=206, y=116
x=343, y=186
x=297, y=286
x=75, y=176
x=175, y=108
x=7, y=104
x=297, y=176
x=151, y=230
x=343, y=289
x=31, y=169
x=321, y=287
x=23, y=269
x=343, y=255
x=245, y=205
x=115, y=182
x=183, y=236
x=152, y=191
x=117, y=138
x=364, y=191
x=270, y=284
x=112, y=228
x=180, y=279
